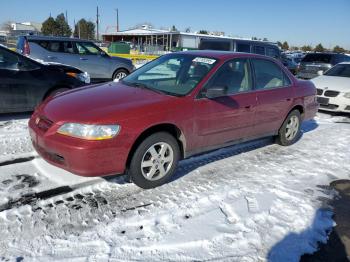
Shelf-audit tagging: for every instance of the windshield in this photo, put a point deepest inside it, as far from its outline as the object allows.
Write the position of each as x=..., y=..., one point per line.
x=175, y=74
x=342, y=70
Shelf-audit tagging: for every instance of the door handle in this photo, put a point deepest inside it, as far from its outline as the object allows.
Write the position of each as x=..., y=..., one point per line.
x=248, y=107
x=84, y=59
x=288, y=99
x=51, y=57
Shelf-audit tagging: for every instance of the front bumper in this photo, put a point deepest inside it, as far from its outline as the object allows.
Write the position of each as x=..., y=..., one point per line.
x=334, y=104
x=78, y=156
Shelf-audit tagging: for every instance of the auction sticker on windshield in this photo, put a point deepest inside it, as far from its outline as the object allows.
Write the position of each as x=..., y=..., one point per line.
x=204, y=60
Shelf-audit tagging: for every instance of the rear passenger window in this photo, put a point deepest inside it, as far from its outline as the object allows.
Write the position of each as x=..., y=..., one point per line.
x=272, y=52
x=243, y=48
x=259, y=50
x=269, y=75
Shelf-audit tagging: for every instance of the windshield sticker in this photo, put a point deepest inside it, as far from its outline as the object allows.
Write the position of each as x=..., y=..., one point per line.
x=204, y=60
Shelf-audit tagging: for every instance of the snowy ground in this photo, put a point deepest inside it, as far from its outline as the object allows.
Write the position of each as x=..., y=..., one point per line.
x=253, y=202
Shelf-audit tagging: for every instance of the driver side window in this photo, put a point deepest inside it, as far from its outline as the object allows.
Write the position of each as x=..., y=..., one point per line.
x=8, y=60
x=234, y=75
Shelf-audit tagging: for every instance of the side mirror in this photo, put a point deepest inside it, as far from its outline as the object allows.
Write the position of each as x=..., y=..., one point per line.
x=103, y=53
x=320, y=72
x=216, y=91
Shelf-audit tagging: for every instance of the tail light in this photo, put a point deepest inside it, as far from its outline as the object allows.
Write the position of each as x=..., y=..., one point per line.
x=26, y=48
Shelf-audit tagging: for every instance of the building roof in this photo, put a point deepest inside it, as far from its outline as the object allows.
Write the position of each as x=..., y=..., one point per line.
x=151, y=31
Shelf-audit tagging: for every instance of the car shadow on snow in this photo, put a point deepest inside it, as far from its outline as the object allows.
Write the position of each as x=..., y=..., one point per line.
x=321, y=242
x=188, y=165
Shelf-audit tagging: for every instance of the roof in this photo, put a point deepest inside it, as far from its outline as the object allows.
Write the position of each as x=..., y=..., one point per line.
x=56, y=38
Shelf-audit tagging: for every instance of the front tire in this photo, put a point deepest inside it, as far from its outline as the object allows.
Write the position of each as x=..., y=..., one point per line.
x=120, y=74
x=154, y=161
x=289, y=132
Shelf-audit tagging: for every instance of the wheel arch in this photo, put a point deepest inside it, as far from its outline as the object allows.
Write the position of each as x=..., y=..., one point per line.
x=164, y=127
x=50, y=90
x=120, y=68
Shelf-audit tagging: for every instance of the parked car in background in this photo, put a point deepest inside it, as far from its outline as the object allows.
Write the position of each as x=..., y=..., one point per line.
x=333, y=88
x=79, y=53
x=24, y=83
x=312, y=63
x=176, y=106
x=238, y=45
x=291, y=63
x=3, y=39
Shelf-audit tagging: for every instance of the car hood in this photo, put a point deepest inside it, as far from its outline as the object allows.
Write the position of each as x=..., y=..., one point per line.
x=341, y=84
x=106, y=103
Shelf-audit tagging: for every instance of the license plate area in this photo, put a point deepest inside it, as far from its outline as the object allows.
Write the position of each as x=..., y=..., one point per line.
x=323, y=100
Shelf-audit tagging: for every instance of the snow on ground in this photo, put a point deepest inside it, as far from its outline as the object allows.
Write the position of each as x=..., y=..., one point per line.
x=252, y=202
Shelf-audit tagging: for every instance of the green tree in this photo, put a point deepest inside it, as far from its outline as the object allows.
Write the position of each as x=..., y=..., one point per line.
x=279, y=44
x=285, y=45
x=306, y=48
x=338, y=49
x=49, y=27
x=203, y=32
x=319, y=48
x=63, y=28
x=84, y=29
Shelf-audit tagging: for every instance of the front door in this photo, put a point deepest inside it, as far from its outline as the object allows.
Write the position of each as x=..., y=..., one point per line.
x=229, y=117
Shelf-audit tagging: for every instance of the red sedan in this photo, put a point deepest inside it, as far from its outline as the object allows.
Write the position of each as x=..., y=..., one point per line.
x=176, y=106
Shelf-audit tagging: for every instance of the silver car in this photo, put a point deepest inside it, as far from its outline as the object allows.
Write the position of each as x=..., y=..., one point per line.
x=79, y=53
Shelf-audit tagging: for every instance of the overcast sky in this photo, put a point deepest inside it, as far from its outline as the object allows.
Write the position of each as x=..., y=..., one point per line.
x=299, y=21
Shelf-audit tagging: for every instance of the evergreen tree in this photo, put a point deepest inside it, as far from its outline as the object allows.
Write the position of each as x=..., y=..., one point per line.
x=49, y=27
x=319, y=48
x=285, y=45
x=84, y=29
x=63, y=28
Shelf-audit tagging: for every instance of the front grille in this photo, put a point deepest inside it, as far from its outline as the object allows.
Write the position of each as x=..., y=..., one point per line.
x=50, y=156
x=329, y=106
x=43, y=123
x=319, y=92
x=331, y=93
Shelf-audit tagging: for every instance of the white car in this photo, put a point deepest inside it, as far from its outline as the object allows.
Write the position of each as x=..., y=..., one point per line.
x=333, y=88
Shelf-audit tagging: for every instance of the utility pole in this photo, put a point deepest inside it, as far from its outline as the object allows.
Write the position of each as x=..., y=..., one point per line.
x=117, y=19
x=97, y=25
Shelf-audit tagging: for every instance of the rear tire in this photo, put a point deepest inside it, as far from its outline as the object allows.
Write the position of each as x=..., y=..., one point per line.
x=289, y=132
x=120, y=74
x=154, y=161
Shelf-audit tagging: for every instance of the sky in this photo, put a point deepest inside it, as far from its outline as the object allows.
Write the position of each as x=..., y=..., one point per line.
x=298, y=22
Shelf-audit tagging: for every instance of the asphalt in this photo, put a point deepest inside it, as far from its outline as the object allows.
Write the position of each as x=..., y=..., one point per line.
x=337, y=249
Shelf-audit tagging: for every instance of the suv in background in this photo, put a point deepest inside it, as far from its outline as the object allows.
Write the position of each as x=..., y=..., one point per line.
x=79, y=53
x=311, y=65
x=238, y=45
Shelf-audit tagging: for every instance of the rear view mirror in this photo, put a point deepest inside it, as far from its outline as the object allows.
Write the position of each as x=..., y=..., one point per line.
x=320, y=72
x=216, y=91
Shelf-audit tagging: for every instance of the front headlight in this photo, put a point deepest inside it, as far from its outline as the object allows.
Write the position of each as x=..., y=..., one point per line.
x=347, y=95
x=89, y=132
x=84, y=77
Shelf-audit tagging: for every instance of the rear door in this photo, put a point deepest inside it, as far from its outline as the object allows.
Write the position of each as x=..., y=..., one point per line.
x=230, y=117
x=274, y=95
